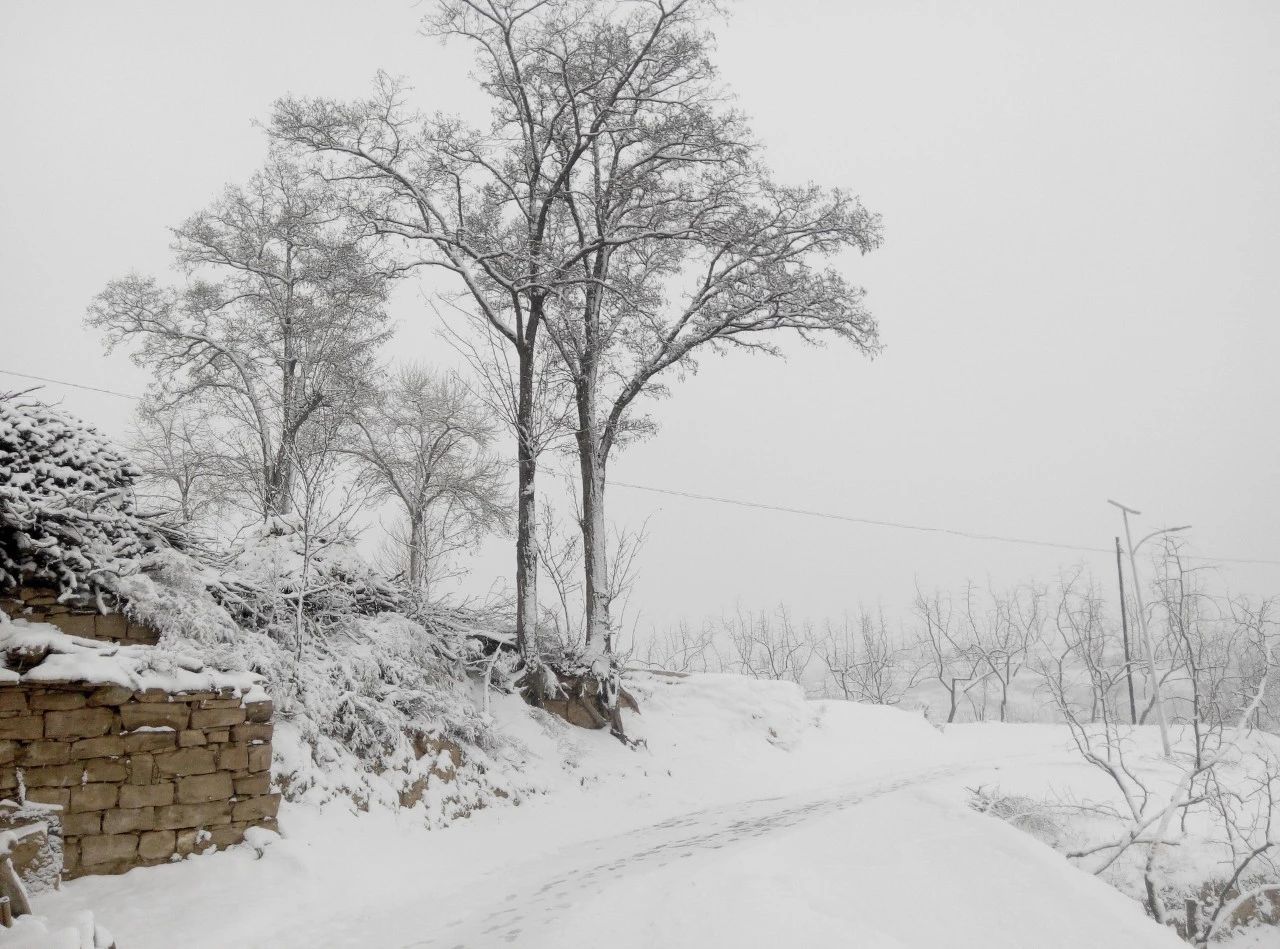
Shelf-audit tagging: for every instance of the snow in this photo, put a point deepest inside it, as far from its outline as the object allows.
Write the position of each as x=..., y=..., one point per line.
x=67, y=515
x=32, y=932
x=748, y=818
x=59, y=657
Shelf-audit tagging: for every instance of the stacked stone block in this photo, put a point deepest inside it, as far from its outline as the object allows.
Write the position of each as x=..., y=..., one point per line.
x=40, y=605
x=138, y=776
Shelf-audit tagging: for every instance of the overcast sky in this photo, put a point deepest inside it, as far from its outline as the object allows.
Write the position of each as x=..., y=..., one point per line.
x=1078, y=290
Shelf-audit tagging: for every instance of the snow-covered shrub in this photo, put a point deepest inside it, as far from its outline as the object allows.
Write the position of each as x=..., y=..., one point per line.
x=67, y=515
x=366, y=680
x=1037, y=818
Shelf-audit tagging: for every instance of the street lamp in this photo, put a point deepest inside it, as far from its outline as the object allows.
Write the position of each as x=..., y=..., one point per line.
x=1142, y=617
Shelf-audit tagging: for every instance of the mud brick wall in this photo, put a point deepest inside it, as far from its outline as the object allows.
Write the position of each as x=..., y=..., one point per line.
x=138, y=776
x=40, y=605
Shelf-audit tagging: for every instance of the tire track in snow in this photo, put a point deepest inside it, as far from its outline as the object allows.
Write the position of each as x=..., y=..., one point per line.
x=535, y=906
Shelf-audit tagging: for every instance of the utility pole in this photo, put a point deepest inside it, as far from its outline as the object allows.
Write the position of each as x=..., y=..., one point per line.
x=1124, y=629
x=1149, y=648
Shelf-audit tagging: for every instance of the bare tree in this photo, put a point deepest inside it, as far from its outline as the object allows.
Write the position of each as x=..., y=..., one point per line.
x=675, y=238
x=560, y=553
x=1146, y=816
x=1002, y=635
x=179, y=455
x=279, y=317
x=868, y=664
x=682, y=649
x=768, y=645
x=950, y=659
x=473, y=204
x=426, y=442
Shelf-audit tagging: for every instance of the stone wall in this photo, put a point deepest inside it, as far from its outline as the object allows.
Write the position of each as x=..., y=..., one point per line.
x=137, y=777
x=40, y=605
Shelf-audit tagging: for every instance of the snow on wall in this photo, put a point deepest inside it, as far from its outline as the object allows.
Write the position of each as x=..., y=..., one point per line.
x=41, y=605
x=138, y=761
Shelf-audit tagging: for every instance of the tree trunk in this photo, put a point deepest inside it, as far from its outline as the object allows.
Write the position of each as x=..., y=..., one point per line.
x=415, y=553
x=595, y=560
x=279, y=487
x=526, y=512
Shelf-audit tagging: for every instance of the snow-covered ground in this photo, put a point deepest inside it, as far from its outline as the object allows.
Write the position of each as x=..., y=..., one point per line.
x=752, y=818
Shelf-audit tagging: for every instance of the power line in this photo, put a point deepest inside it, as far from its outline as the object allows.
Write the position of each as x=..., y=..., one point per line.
x=828, y=515
x=73, y=385
x=779, y=508
x=898, y=525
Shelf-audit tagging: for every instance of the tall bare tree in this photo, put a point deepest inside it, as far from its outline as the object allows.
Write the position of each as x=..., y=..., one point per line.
x=278, y=321
x=426, y=442
x=674, y=238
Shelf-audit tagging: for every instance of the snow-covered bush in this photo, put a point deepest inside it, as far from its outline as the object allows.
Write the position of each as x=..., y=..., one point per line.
x=369, y=684
x=67, y=516
x=1031, y=816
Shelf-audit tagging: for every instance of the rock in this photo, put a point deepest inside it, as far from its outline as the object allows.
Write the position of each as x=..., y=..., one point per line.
x=219, y=717
x=251, y=733
x=142, y=769
x=177, y=816
x=260, y=758
x=44, y=752
x=146, y=795
x=93, y=797
x=112, y=626
x=58, y=796
x=200, y=788
x=137, y=715
x=121, y=821
x=107, y=746
x=233, y=757
x=257, y=784
x=107, y=848
x=80, y=723
x=156, y=844
x=255, y=808
x=150, y=741
x=12, y=700
x=73, y=624
x=57, y=700
x=185, y=761
x=54, y=775
x=78, y=825
x=105, y=769
x=22, y=727
x=37, y=854
x=110, y=695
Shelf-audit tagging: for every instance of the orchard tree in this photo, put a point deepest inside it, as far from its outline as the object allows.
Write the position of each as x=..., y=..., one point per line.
x=615, y=205
x=274, y=330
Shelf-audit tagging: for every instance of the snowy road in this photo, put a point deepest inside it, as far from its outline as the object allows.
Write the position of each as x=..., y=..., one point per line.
x=881, y=864
x=552, y=889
